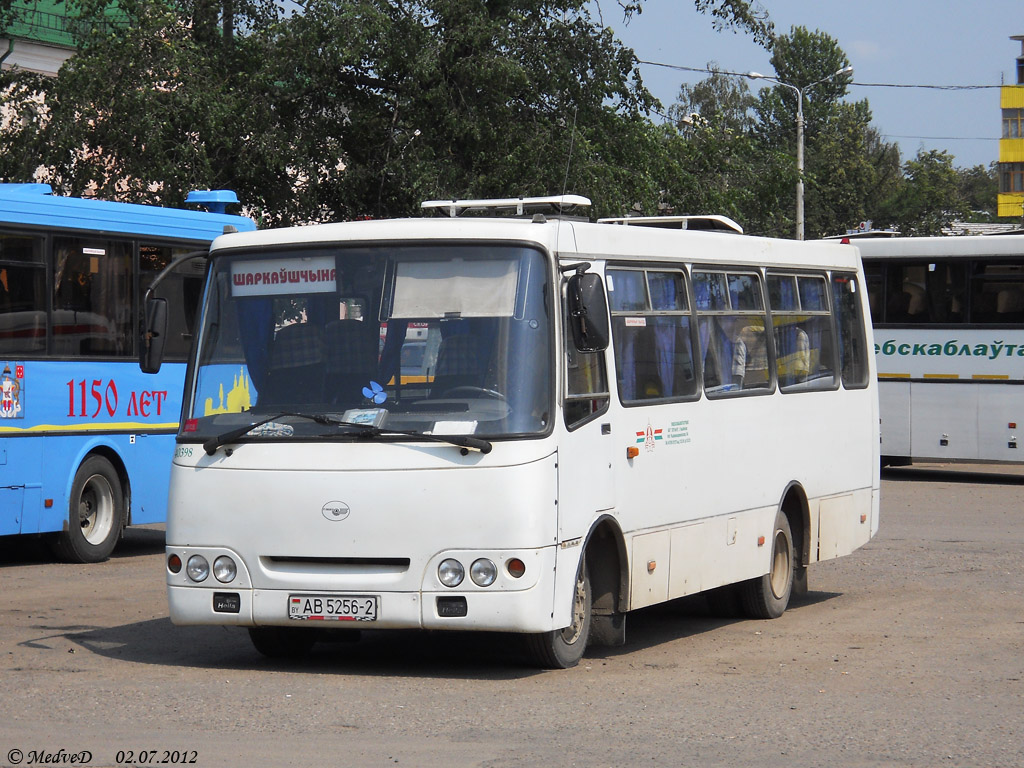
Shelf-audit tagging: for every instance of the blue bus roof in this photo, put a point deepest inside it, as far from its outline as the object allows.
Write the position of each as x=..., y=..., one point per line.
x=36, y=205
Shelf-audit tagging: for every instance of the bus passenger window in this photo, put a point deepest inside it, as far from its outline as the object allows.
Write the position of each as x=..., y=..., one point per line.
x=92, y=306
x=22, y=294
x=651, y=329
x=997, y=293
x=732, y=330
x=802, y=328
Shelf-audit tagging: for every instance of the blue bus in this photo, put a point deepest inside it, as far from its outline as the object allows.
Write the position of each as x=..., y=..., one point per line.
x=85, y=437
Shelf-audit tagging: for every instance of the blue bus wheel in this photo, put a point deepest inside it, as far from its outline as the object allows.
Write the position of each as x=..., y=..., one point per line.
x=95, y=514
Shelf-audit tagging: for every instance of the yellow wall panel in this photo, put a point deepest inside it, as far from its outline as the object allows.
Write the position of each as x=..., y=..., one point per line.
x=1011, y=97
x=1011, y=150
x=1010, y=205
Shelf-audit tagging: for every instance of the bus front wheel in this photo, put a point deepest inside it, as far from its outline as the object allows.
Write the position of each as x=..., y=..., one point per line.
x=767, y=597
x=95, y=514
x=563, y=648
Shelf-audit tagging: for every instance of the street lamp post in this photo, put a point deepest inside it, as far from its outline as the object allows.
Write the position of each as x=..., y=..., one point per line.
x=800, y=136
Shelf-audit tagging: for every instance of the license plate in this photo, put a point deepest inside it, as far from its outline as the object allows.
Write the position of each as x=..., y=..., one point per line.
x=332, y=607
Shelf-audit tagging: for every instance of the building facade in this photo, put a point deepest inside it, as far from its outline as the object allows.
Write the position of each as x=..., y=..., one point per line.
x=38, y=37
x=1011, y=145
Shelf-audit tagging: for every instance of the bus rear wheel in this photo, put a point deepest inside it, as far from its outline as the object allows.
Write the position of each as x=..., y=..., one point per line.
x=96, y=514
x=563, y=648
x=767, y=597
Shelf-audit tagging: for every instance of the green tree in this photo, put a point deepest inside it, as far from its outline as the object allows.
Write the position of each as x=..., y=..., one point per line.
x=978, y=187
x=349, y=107
x=717, y=163
x=928, y=198
x=847, y=167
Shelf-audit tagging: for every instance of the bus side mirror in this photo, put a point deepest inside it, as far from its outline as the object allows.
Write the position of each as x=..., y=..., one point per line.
x=588, y=312
x=151, y=349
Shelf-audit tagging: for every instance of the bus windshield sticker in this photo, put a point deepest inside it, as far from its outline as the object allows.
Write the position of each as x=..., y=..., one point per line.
x=454, y=427
x=279, y=277
x=271, y=429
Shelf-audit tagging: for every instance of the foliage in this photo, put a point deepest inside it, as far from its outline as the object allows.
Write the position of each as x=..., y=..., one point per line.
x=978, y=187
x=928, y=199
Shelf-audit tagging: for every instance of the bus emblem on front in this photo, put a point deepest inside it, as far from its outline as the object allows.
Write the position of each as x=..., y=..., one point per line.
x=335, y=510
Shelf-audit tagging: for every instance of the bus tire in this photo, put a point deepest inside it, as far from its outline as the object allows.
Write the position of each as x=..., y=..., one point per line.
x=767, y=597
x=96, y=514
x=282, y=642
x=563, y=648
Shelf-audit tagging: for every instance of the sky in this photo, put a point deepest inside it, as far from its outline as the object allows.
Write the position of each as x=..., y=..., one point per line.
x=897, y=42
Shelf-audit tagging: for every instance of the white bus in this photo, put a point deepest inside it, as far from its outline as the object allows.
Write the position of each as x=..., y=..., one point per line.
x=610, y=424
x=948, y=314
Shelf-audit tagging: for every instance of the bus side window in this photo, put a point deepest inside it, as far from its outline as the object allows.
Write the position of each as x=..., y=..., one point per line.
x=802, y=331
x=732, y=330
x=586, y=380
x=182, y=289
x=22, y=294
x=92, y=309
x=651, y=330
x=852, y=338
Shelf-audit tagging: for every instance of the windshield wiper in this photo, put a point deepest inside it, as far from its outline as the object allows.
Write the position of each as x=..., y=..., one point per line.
x=466, y=442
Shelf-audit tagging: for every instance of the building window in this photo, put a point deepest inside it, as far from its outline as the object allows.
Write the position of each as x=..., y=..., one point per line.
x=1011, y=177
x=1013, y=123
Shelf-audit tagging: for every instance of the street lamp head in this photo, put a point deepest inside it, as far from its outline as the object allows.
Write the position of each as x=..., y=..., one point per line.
x=848, y=70
x=756, y=75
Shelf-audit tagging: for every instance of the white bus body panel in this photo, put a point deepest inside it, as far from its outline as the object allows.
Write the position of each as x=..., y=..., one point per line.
x=951, y=396
x=461, y=506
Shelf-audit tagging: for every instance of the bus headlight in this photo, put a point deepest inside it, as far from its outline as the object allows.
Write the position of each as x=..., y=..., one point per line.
x=224, y=569
x=197, y=568
x=450, y=572
x=483, y=572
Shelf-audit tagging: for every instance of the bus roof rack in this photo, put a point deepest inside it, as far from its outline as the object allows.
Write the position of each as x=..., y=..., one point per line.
x=519, y=206
x=710, y=223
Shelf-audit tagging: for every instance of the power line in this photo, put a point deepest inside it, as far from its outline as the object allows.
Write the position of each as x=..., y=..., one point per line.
x=862, y=85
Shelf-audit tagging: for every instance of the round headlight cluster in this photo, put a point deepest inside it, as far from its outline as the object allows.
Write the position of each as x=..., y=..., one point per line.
x=483, y=572
x=224, y=569
x=198, y=568
x=450, y=572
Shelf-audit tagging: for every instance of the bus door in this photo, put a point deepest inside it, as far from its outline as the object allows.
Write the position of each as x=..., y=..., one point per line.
x=585, y=479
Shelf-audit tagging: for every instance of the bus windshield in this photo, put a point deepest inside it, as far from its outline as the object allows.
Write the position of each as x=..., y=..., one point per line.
x=433, y=339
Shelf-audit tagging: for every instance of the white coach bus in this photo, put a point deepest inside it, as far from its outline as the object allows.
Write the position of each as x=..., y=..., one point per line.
x=948, y=314
x=620, y=413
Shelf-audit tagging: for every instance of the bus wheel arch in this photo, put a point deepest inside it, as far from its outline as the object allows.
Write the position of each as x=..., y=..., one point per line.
x=795, y=507
x=97, y=510
x=598, y=598
x=605, y=552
